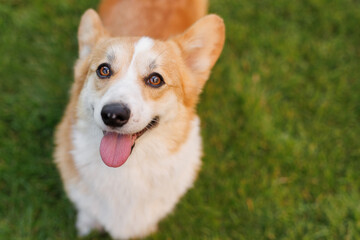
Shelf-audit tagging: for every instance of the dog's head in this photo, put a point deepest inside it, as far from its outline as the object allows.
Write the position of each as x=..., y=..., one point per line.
x=130, y=85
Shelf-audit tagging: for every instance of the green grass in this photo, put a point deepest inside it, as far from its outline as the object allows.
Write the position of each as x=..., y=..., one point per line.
x=280, y=117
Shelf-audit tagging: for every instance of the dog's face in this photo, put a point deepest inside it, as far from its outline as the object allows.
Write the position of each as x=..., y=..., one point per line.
x=134, y=84
x=131, y=82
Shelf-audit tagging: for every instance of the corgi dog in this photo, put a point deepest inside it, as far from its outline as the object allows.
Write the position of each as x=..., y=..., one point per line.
x=129, y=146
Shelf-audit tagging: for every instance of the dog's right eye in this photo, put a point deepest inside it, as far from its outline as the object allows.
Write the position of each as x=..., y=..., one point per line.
x=154, y=80
x=104, y=70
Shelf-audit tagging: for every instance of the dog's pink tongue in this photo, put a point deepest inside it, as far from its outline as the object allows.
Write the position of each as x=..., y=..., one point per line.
x=115, y=148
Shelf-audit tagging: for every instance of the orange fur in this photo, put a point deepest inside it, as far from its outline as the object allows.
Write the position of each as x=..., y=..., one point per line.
x=194, y=44
x=159, y=19
x=63, y=140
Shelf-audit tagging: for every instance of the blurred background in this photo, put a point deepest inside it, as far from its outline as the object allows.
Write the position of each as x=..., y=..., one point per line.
x=280, y=122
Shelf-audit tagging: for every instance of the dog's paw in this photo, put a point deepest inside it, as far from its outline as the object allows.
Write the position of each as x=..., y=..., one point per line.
x=85, y=223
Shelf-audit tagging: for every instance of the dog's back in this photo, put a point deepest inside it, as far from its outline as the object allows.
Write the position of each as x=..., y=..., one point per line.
x=158, y=19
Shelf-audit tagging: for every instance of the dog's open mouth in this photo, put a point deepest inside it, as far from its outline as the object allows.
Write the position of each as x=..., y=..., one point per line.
x=115, y=148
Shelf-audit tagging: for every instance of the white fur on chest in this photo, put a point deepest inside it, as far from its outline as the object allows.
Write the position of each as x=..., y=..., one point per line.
x=130, y=200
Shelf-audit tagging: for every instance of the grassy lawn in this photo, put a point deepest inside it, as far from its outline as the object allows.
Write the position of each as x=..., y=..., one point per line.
x=280, y=117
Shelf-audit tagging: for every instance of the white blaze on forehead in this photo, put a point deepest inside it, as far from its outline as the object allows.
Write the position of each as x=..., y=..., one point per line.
x=145, y=43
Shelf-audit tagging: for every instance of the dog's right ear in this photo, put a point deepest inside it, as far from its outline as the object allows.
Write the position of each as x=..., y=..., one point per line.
x=90, y=31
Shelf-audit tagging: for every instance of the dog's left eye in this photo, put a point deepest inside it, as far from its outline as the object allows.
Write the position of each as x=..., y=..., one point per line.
x=154, y=80
x=104, y=70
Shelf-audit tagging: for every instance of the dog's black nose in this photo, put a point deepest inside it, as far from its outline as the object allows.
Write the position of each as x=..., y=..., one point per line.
x=115, y=114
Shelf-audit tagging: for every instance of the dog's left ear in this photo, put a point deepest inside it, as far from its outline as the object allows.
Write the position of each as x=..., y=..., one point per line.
x=90, y=31
x=201, y=45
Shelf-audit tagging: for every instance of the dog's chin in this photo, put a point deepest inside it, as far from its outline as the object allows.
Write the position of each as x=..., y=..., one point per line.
x=115, y=148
